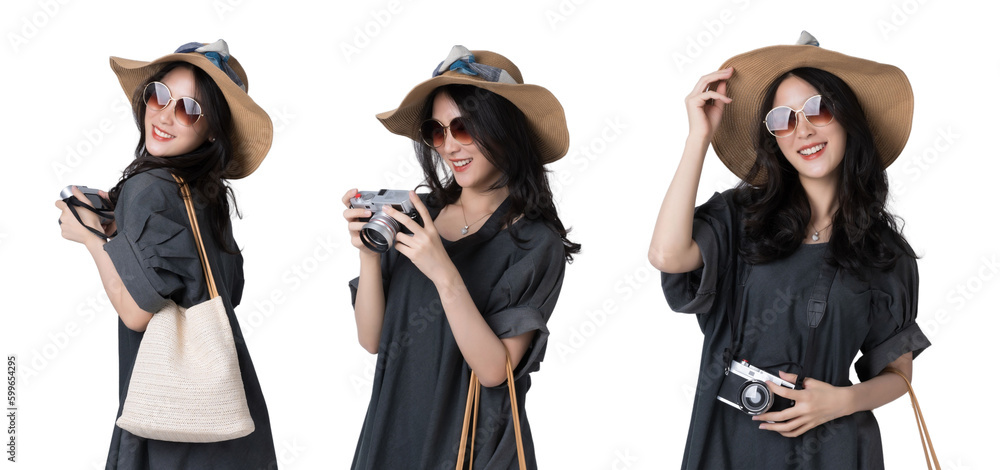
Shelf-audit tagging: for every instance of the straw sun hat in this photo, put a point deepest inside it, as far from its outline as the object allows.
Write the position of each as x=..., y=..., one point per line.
x=883, y=91
x=252, y=130
x=493, y=72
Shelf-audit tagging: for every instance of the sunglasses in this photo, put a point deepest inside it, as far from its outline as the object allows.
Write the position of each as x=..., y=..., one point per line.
x=432, y=132
x=157, y=97
x=781, y=121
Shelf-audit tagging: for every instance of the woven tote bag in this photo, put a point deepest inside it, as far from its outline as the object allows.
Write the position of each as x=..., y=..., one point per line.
x=186, y=384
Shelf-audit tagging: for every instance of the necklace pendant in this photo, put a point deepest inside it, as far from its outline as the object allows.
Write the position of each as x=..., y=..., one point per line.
x=816, y=237
x=465, y=230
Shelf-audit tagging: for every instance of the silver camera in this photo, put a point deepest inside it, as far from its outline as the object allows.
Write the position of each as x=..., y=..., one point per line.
x=745, y=389
x=103, y=207
x=379, y=233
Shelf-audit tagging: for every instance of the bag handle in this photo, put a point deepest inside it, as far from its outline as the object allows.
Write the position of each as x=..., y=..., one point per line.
x=213, y=292
x=472, y=407
x=921, y=424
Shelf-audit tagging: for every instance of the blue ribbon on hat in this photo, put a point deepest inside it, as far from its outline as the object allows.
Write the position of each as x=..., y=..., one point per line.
x=464, y=66
x=218, y=54
x=806, y=39
x=462, y=61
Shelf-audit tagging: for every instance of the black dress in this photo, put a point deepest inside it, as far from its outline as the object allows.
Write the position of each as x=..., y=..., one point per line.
x=418, y=398
x=875, y=316
x=156, y=256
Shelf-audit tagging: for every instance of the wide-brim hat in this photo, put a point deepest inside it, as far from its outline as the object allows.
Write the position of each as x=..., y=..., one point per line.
x=883, y=91
x=493, y=72
x=252, y=131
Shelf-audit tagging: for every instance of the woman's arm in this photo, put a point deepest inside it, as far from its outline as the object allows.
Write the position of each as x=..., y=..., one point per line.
x=134, y=317
x=482, y=349
x=883, y=388
x=672, y=249
x=131, y=314
x=369, y=301
x=819, y=402
x=480, y=346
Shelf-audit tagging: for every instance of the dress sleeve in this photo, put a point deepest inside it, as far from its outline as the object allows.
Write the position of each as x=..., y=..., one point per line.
x=524, y=297
x=154, y=252
x=893, y=312
x=694, y=292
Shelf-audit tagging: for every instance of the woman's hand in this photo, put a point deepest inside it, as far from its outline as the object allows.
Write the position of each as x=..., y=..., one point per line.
x=424, y=247
x=704, y=117
x=369, y=304
x=354, y=225
x=71, y=228
x=817, y=403
x=672, y=248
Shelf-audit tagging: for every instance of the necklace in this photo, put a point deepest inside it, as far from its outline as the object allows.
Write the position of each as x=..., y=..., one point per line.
x=815, y=235
x=465, y=229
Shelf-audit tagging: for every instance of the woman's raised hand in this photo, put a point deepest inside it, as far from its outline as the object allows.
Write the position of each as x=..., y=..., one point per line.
x=423, y=247
x=354, y=224
x=704, y=117
x=672, y=250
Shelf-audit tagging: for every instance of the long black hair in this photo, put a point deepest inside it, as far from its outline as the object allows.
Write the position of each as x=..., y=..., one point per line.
x=203, y=167
x=777, y=212
x=500, y=130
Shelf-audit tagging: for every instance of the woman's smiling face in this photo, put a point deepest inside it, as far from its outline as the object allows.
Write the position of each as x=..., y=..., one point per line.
x=165, y=136
x=472, y=170
x=816, y=152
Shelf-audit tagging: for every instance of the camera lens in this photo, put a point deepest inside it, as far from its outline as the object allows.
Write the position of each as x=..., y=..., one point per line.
x=375, y=238
x=755, y=397
x=379, y=232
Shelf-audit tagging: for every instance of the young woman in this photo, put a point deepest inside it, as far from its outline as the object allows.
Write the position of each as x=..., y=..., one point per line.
x=197, y=122
x=810, y=132
x=477, y=281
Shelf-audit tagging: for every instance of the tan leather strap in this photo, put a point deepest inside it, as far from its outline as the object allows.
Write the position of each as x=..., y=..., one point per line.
x=517, y=417
x=465, y=421
x=213, y=292
x=475, y=421
x=472, y=408
x=925, y=436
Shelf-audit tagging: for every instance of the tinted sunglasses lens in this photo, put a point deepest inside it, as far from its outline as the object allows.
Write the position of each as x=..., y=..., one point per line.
x=818, y=111
x=432, y=133
x=459, y=132
x=781, y=121
x=156, y=95
x=188, y=111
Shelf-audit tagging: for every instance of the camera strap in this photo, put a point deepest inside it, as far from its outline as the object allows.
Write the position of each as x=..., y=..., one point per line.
x=73, y=202
x=815, y=309
x=737, y=282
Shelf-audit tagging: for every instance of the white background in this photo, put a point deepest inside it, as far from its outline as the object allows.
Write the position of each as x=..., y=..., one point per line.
x=615, y=389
